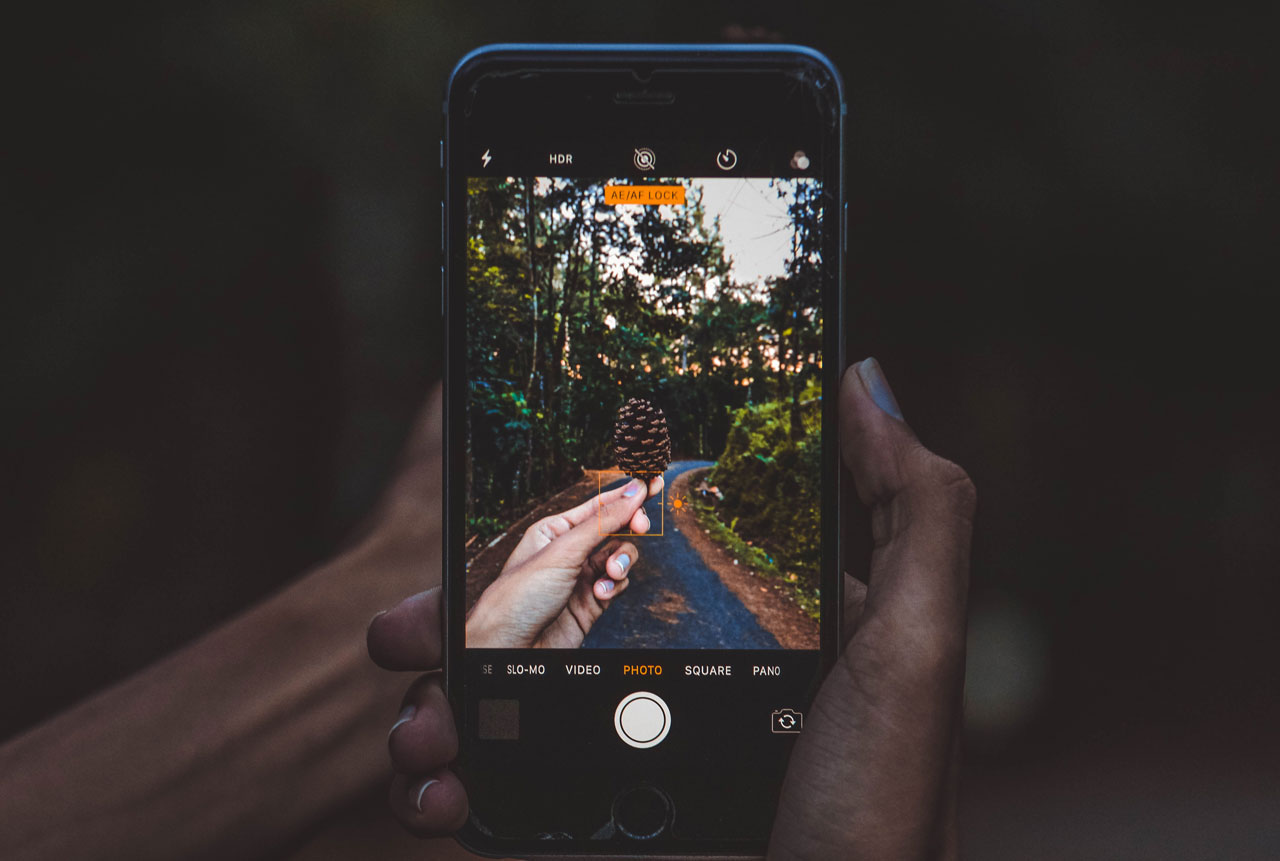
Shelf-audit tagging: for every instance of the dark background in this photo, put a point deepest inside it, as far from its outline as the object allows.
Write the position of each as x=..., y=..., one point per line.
x=220, y=313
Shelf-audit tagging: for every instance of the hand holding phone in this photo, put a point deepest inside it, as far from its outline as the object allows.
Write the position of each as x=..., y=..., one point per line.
x=875, y=772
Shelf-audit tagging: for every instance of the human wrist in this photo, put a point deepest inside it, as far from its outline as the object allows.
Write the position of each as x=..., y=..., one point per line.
x=485, y=628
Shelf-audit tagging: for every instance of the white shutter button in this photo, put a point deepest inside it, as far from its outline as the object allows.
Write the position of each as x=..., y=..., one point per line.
x=642, y=719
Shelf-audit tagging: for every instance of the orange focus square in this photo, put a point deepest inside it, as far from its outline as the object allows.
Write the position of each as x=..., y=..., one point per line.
x=662, y=498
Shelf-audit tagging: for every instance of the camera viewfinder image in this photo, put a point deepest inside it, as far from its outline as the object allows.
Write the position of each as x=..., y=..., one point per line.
x=644, y=406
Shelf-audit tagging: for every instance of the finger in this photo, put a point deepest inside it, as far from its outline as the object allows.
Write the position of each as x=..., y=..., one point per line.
x=544, y=531
x=610, y=518
x=656, y=485
x=606, y=590
x=621, y=559
x=892, y=704
x=921, y=505
x=424, y=737
x=429, y=805
x=855, y=596
x=640, y=522
x=587, y=510
x=594, y=565
x=613, y=558
x=407, y=637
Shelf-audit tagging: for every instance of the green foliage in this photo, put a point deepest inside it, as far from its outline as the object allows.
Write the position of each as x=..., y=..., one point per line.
x=485, y=527
x=757, y=560
x=771, y=483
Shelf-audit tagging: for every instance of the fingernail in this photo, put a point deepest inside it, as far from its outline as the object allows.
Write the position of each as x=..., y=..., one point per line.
x=377, y=616
x=606, y=585
x=873, y=377
x=406, y=715
x=418, y=802
x=623, y=561
x=632, y=488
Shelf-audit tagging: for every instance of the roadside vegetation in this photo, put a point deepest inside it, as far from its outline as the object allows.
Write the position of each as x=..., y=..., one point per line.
x=762, y=500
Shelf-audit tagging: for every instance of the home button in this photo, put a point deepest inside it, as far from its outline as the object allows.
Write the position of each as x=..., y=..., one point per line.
x=642, y=812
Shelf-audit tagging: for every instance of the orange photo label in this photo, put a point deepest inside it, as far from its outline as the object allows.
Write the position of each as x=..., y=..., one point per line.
x=644, y=195
x=642, y=669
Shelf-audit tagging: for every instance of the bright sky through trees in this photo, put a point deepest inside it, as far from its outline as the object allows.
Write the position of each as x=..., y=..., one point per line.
x=754, y=225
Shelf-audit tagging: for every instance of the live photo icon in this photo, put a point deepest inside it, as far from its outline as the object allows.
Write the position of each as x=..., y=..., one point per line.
x=786, y=720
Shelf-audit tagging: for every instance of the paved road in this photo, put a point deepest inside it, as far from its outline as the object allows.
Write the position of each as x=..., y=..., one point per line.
x=674, y=600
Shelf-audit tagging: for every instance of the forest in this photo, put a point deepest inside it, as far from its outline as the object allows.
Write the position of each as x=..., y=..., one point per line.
x=574, y=305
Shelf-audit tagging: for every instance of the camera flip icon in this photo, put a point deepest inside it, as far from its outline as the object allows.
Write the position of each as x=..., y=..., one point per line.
x=786, y=720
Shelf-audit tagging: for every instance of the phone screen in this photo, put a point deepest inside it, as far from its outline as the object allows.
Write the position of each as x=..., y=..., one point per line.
x=641, y=462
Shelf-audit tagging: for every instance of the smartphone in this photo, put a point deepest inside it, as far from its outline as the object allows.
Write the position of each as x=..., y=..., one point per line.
x=643, y=300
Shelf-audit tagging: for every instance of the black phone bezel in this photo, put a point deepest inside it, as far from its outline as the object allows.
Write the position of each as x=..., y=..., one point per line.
x=567, y=63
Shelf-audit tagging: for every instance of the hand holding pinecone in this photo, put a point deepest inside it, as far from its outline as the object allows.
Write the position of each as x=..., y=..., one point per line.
x=640, y=439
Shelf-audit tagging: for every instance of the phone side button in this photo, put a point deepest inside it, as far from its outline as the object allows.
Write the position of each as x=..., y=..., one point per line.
x=442, y=292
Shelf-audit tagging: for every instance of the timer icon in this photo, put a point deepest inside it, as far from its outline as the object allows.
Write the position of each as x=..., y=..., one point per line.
x=726, y=159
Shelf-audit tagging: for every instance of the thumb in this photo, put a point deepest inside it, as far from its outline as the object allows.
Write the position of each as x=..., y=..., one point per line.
x=874, y=773
x=609, y=517
x=921, y=505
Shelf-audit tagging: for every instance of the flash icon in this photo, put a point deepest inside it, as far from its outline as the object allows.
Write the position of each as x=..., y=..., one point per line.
x=485, y=159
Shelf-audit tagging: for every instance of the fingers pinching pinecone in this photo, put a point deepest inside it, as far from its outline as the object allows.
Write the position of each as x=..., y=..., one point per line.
x=641, y=441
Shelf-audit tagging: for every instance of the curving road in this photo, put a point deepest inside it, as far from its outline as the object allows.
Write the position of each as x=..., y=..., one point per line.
x=674, y=600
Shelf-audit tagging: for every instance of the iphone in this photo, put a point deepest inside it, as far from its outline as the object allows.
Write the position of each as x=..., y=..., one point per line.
x=643, y=300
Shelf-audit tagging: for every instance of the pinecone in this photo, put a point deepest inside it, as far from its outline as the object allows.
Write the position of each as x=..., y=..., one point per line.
x=640, y=439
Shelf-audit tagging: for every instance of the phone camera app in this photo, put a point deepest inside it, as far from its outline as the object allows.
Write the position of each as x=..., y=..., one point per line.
x=786, y=721
x=645, y=409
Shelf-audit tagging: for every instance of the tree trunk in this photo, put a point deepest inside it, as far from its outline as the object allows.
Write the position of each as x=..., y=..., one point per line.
x=530, y=247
